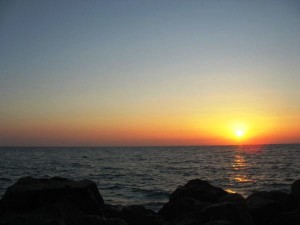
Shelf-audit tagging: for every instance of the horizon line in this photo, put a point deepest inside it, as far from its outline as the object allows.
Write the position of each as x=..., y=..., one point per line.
x=140, y=146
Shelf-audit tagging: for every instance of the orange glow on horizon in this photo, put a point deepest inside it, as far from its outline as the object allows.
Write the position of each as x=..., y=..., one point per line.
x=212, y=129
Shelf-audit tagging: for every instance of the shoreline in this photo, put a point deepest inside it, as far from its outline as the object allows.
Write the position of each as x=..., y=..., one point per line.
x=62, y=201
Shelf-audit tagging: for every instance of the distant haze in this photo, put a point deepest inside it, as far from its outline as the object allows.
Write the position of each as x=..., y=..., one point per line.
x=102, y=73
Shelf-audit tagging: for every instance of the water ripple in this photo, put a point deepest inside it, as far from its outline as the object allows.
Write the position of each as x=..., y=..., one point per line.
x=146, y=175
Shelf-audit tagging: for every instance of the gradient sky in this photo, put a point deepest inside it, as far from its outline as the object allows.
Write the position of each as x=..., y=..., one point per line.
x=97, y=73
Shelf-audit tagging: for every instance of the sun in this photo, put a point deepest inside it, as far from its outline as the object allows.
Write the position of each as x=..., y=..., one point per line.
x=239, y=133
x=239, y=130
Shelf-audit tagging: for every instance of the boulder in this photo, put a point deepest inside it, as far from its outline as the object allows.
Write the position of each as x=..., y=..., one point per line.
x=287, y=218
x=264, y=206
x=193, y=218
x=137, y=215
x=114, y=221
x=219, y=222
x=54, y=201
x=179, y=207
x=112, y=211
x=59, y=213
x=29, y=193
x=231, y=208
x=193, y=197
x=200, y=190
x=295, y=191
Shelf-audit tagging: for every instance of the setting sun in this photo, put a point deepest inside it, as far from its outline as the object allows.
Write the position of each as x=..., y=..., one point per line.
x=239, y=130
x=239, y=133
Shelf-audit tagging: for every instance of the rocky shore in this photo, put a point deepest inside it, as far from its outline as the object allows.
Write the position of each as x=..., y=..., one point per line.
x=60, y=201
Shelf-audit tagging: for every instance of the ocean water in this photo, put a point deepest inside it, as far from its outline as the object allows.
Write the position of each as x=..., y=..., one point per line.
x=146, y=175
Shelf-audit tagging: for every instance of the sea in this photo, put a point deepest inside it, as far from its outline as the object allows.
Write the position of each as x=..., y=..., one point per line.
x=147, y=175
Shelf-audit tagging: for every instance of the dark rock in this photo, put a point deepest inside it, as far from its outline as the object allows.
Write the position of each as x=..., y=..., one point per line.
x=193, y=218
x=191, y=198
x=63, y=212
x=200, y=190
x=264, y=206
x=181, y=206
x=114, y=221
x=232, y=208
x=137, y=215
x=112, y=211
x=287, y=218
x=52, y=201
x=219, y=222
x=295, y=191
x=234, y=198
x=29, y=193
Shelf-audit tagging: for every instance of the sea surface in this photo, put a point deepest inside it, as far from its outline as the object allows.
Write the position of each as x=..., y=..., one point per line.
x=146, y=175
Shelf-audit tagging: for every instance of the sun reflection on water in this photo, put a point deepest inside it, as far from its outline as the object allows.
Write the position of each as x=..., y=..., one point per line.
x=230, y=191
x=240, y=167
x=239, y=162
x=242, y=179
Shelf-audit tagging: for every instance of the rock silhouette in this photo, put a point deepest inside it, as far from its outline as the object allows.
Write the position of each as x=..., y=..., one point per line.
x=295, y=191
x=201, y=203
x=52, y=201
x=265, y=206
x=61, y=201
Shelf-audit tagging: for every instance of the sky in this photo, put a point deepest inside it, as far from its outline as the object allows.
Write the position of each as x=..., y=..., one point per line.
x=119, y=73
